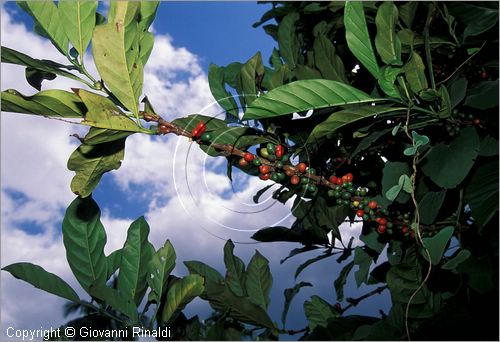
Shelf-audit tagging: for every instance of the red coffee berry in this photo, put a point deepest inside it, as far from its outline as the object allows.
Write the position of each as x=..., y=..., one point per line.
x=340, y=181
x=360, y=213
x=163, y=129
x=484, y=75
x=265, y=176
x=195, y=133
x=404, y=230
x=249, y=157
x=242, y=162
x=200, y=125
x=289, y=172
x=302, y=167
x=349, y=177
x=372, y=204
x=381, y=229
x=278, y=151
x=295, y=180
x=333, y=179
x=476, y=121
x=264, y=169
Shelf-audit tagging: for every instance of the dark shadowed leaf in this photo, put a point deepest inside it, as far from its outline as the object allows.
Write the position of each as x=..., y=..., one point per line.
x=327, y=61
x=235, y=275
x=341, y=280
x=483, y=96
x=318, y=311
x=430, y=205
x=456, y=260
x=436, y=245
x=457, y=90
x=312, y=261
x=259, y=280
x=289, y=295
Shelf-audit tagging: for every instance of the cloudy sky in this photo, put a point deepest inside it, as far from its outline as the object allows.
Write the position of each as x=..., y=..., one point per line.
x=184, y=195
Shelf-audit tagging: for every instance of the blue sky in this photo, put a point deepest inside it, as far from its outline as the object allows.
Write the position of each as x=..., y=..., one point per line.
x=155, y=174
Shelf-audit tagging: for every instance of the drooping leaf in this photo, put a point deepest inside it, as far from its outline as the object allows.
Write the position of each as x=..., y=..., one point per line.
x=457, y=259
x=287, y=40
x=90, y=162
x=311, y=261
x=364, y=261
x=235, y=275
x=275, y=59
x=430, y=205
x=448, y=165
x=116, y=300
x=36, y=77
x=251, y=72
x=318, y=311
x=479, y=275
x=278, y=233
x=436, y=245
x=46, y=15
x=222, y=96
x=259, y=280
x=96, y=136
x=386, y=41
x=297, y=251
x=289, y=295
x=51, y=103
x=304, y=95
x=103, y=113
x=341, y=280
x=393, y=192
x=444, y=96
x=181, y=294
x=147, y=14
x=41, y=279
x=358, y=39
x=483, y=96
x=327, y=61
x=136, y=255
x=202, y=269
x=259, y=193
x=415, y=73
x=159, y=268
x=369, y=140
x=84, y=238
x=78, y=21
x=115, y=47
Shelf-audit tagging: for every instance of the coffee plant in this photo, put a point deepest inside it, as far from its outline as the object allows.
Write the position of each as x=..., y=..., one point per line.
x=380, y=112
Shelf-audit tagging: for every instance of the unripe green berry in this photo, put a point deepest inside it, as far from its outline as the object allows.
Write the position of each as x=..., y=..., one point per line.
x=256, y=162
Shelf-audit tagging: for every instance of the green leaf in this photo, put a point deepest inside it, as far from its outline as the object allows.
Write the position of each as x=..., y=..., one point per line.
x=223, y=299
x=445, y=110
x=114, y=260
x=405, y=183
x=436, y=245
x=457, y=90
x=84, y=238
x=96, y=136
x=429, y=206
x=358, y=39
x=289, y=295
x=393, y=192
x=287, y=40
x=407, y=12
x=364, y=261
x=478, y=274
x=369, y=140
x=78, y=21
x=303, y=72
x=489, y=147
x=341, y=280
x=148, y=13
x=235, y=275
x=146, y=44
x=45, y=13
x=159, y=268
x=41, y=279
x=483, y=96
x=103, y=113
x=202, y=269
x=218, y=90
x=259, y=280
x=372, y=242
x=36, y=77
x=459, y=258
x=189, y=122
x=391, y=174
x=482, y=193
x=115, y=47
x=448, y=165
x=478, y=18
x=251, y=72
x=51, y=103
x=386, y=41
x=415, y=73
x=275, y=59
x=90, y=162
x=327, y=61
x=181, y=294
x=116, y=300
x=387, y=79
x=318, y=311
x=136, y=255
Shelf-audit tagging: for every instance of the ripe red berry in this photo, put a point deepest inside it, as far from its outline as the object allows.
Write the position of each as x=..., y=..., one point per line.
x=278, y=151
x=242, y=162
x=333, y=179
x=476, y=121
x=195, y=133
x=248, y=157
x=340, y=181
x=200, y=125
x=295, y=180
x=264, y=169
x=265, y=176
x=302, y=167
x=349, y=177
x=484, y=75
x=372, y=204
x=381, y=229
x=289, y=172
x=381, y=221
x=404, y=230
x=163, y=129
x=360, y=213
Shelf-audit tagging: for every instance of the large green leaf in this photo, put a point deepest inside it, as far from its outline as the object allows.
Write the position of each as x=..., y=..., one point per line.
x=90, y=162
x=146, y=44
x=327, y=61
x=41, y=279
x=287, y=40
x=407, y=12
x=457, y=90
x=289, y=295
x=51, y=103
x=78, y=21
x=204, y=270
x=116, y=300
x=137, y=252
x=259, y=280
x=114, y=260
x=430, y=205
x=387, y=79
x=115, y=47
x=478, y=18
x=148, y=13
x=448, y=165
x=96, y=136
x=341, y=280
x=251, y=71
x=159, y=268
x=457, y=259
x=483, y=96
x=235, y=275
x=318, y=311
x=386, y=41
x=219, y=92
x=436, y=245
x=103, y=113
x=47, y=17
x=84, y=238
x=391, y=173
x=327, y=128
x=415, y=73
x=482, y=193
x=304, y=95
x=180, y=294
x=358, y=39
x=364, y=261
